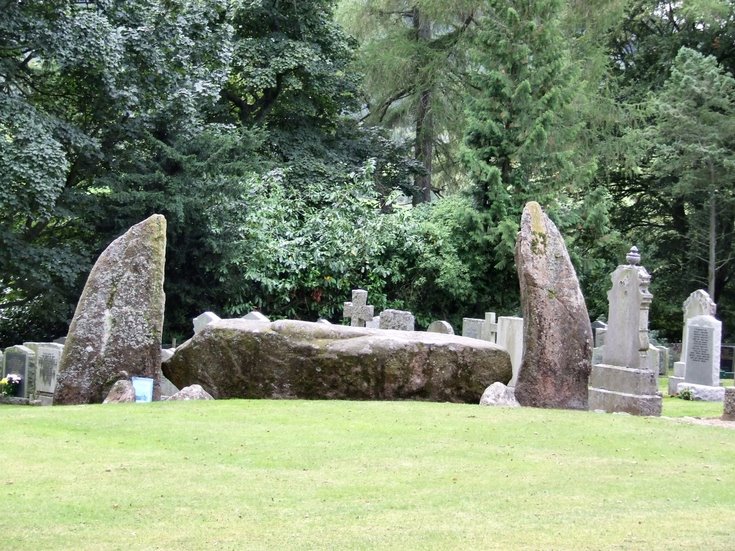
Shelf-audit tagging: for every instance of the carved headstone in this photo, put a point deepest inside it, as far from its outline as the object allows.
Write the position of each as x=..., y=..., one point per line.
x=625, y=382
x=704, y=335
x=557, y=333
x=118, y=322
x=698, y=303
x=472, y=327
x=48, y=357
x=358, y=311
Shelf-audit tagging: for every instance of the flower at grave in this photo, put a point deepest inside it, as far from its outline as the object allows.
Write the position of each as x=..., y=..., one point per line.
x=9, y=384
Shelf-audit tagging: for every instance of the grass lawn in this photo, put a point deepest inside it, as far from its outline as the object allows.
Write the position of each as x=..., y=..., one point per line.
x=246, y=474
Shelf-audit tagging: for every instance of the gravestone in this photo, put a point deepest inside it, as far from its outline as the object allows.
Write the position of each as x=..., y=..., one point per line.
x=204, y=319
x=255, y=316
x=489, y=329
x=557, y=339
x=472, y=327
x=704, y=335
x=373, y=323
x=358, y=311
x=48, y=357
x=440, y=326
x=118, y=321
x=510, y=337
x=399, y=320
x=598, y=332
x=20, y=360
x=624, y=382
x=698, y=303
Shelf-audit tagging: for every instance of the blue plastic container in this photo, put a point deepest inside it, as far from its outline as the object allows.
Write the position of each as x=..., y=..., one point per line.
x=143, y=389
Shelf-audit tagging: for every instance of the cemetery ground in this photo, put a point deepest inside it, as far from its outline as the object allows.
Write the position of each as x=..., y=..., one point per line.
x=292, y=474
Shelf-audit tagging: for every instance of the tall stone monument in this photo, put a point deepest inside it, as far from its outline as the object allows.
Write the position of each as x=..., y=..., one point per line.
x=117, y=326
x=557, y=353
x=624, y=381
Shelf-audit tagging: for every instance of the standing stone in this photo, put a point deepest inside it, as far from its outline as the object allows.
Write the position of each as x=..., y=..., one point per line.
x=440, y=327
x=625, y=382
x=20, y=360
x=358, y=311
x=204, y=319
x=557, y=332
x=397, y=319
x=598, y=332
x=118, y=322
x=510, y=337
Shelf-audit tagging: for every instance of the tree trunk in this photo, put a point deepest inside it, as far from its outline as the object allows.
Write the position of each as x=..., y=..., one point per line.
x=712, y=243
x=424, y=149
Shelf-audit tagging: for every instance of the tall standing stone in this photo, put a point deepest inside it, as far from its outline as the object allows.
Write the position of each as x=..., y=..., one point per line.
x=557, y=332
x=118, y=322
x=624, y=381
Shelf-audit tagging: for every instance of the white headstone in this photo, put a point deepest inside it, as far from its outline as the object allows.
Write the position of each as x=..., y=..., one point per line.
x=440, y=327
x=202, y=320
x=358, y=311
x=510, y=337
x=704, y=336
x=399, y=320
x=255, y=316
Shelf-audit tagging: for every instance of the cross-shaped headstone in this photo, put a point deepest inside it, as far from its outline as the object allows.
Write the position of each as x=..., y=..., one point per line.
x=358, y=310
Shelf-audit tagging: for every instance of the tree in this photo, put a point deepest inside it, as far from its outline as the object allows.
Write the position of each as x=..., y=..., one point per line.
x=692, y=145
x=650, y=208
x=79, y=86
x=413, y=55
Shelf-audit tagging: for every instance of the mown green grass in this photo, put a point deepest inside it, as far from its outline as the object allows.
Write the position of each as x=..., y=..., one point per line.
x=243, y=474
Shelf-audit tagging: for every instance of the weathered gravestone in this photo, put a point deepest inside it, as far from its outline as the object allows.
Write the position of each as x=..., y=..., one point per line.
x=119, y=318
x=472, y=327
x=698, y=303
x=358, y=311
x=398, y=320
x=624, y=382
x=440, y=326
x=373, y=323
x=729, y=405
x=48, y=357
x=204, y=319
x=20, y=360
x=557, y=333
